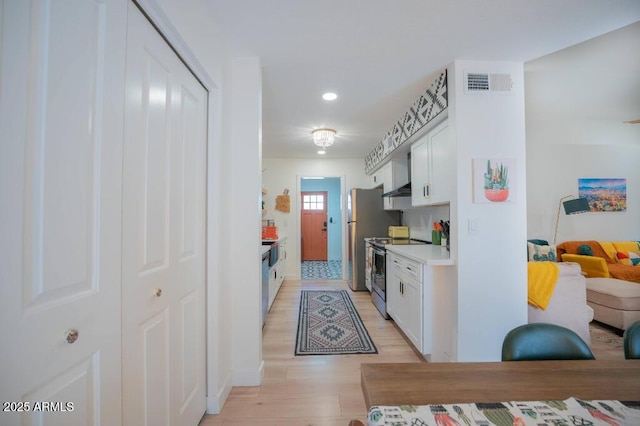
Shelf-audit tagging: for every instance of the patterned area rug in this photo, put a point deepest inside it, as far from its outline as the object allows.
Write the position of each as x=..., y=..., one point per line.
x=605, y=334
x=328, y=324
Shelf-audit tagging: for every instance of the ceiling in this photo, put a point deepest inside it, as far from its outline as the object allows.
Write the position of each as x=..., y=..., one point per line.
x=380, y=55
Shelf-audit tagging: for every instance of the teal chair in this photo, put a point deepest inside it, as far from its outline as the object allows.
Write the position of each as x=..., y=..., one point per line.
x=631, y=339
x=542, y=341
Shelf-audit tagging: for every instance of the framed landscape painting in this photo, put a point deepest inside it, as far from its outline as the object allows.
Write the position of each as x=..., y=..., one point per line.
x=604, y=194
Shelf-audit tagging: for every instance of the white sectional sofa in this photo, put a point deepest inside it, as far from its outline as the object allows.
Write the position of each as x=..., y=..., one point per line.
x=568, y=305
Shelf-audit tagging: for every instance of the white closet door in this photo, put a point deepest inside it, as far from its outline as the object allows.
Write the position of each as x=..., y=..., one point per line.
x=61, y=108
x=163, y=234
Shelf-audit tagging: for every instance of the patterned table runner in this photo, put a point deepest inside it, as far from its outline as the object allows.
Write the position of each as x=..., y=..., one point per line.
x=569, y=412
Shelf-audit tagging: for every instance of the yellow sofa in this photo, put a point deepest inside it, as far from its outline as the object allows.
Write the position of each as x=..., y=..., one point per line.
x=602, y=263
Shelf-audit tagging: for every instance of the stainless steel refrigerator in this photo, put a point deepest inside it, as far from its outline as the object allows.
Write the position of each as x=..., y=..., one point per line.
x=366, y=218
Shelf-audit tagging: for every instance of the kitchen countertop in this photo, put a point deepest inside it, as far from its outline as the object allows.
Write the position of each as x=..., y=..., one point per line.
x=428, y=254
x=279, y=240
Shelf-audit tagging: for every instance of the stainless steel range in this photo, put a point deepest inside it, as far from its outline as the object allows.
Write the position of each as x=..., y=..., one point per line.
x=379, y=269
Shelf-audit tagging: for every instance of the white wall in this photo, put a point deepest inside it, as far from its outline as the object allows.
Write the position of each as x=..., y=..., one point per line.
x=575, y=108
x=281, y=173
x=420, y=220
x=491, y=282
x=243, y=273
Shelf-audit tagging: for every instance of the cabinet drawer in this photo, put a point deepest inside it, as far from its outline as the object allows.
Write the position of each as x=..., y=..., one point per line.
x=407, y=267
x=413, y=269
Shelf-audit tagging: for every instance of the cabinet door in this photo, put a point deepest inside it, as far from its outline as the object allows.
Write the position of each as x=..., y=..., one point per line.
x=413, y=311
x=387, y=185
x=440, y=165
x=431, y=168
x=376, y=179
x=400, y=302
x=273, y=285
x=420, y=182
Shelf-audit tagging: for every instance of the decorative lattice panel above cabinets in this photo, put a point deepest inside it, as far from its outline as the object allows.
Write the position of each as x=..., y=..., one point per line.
x=427, y=107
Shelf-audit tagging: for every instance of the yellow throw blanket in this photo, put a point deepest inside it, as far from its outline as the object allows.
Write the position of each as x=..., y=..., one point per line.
x=542, y=278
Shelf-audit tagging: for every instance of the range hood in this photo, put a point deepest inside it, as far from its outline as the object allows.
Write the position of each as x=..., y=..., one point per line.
x=403, y=191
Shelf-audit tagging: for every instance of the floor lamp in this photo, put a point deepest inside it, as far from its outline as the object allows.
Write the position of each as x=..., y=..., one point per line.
x=575, y=206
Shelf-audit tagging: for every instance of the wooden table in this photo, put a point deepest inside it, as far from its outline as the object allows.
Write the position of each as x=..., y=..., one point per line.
x=448, y=383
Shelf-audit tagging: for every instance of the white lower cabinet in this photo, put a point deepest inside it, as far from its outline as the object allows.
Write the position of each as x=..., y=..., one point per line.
x=409, y=299
x=277, y=272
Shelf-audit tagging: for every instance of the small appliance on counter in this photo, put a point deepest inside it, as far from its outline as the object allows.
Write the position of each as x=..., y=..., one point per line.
x=269, y=230
x=398, y=232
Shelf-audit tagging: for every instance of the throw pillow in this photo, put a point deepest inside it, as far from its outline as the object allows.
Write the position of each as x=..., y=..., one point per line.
x=585, y=250
x=628, y=257
x=542, y=253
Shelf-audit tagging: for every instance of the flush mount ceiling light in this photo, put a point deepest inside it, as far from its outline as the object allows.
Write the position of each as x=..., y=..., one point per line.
x=329, y=96
x=323, y=138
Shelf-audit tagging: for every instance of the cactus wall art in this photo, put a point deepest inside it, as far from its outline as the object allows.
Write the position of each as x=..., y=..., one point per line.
x=494, y=180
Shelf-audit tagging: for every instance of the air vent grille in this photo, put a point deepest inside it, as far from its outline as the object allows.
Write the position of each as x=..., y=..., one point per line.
x=477, y=82
x=488, y=83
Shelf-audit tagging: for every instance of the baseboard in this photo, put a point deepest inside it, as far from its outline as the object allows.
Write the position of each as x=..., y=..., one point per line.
x=216, y=402
x=249, y=377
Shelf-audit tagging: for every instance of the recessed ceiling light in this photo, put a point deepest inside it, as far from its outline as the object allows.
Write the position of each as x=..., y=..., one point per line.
x=329, y=96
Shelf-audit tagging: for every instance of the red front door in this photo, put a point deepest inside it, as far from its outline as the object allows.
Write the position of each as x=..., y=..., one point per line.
x=314, y=225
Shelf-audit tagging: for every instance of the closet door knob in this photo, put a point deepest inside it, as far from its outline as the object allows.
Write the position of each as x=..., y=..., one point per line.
x=71, y=335
x=158, y=292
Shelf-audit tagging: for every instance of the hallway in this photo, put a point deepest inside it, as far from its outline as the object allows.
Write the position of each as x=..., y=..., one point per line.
x=325, y=390
x=310, y=390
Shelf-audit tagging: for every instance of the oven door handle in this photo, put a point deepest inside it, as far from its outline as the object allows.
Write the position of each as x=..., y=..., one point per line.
x=378, y=251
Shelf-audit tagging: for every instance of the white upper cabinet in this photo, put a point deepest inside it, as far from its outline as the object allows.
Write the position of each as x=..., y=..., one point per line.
x=431, y=170
x=376, y=179
x=394, y=175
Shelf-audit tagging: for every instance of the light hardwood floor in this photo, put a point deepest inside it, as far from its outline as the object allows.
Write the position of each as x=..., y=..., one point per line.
x=318, y=390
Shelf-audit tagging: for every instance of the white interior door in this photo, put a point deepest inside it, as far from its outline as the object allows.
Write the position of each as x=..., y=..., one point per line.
x=163, y=234
x=62, y=64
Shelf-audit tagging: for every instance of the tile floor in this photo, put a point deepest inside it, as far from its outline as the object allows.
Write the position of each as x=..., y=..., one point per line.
x=321, y=270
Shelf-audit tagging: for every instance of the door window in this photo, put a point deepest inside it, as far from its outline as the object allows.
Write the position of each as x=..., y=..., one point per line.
x=313, y=202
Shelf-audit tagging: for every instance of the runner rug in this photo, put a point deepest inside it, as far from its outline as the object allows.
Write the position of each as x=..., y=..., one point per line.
x=328, y=324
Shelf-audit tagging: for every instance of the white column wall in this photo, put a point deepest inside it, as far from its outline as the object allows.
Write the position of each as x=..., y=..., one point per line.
x=243, y=273
x=491, y=281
